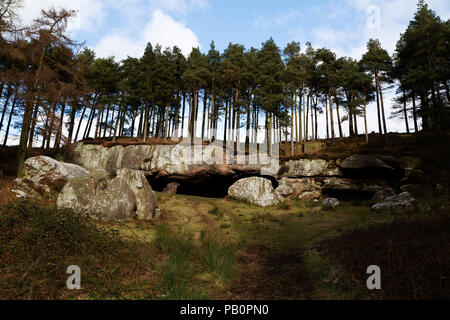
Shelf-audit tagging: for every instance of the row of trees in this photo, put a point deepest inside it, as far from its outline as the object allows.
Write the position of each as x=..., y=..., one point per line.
x=47, y=83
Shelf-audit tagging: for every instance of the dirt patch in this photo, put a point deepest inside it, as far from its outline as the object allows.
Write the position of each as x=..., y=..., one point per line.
x=271, y=273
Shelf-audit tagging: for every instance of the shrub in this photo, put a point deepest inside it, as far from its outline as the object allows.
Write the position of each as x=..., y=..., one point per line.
x=39, y=243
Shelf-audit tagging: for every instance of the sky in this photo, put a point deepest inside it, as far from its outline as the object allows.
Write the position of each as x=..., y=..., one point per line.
x=122, y=28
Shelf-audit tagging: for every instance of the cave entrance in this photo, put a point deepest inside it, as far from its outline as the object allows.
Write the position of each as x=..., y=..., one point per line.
x=211, y=186
x=349, y=195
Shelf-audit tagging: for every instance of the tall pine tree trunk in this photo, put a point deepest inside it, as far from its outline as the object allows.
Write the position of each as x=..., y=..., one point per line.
x=326, y=117
x=380, y=129
x=382, y=106
x=331, y=118
x=11, y=113
x=106, y=121
x=312, y=116
x=33, y=126
x=60, y=126
x=5, y=106
x=79, y=123
x=405, y=112
x=341, y=134
x=365, y=119
x=292, y=127
x=416, y=127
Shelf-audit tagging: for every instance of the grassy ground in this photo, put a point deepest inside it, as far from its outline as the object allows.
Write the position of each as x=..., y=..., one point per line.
x=206, y=248
x=284, y=255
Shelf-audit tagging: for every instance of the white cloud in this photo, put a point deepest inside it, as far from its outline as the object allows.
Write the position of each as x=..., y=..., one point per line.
x=89, y=12
x=395, y=17
x=162, y=29
x=119, y=46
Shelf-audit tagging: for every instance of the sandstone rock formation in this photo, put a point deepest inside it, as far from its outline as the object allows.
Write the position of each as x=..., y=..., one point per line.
x=44, y=174
x=346, y=184
x=360, y=162
x=146, y=200
x=255, y=190
x=98, y=194
x=176, y=161
x=357, y=175
x=305, y=189
x=304, y=168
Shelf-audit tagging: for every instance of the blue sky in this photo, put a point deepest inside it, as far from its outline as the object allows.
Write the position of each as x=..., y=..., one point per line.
x=123, y=27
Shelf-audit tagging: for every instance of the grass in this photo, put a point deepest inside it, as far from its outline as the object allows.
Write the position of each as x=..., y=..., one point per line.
x=219, y=256
x=215, y=211
x=177, y=270
x=134, y=260
x=39, y=243
x=289, y=252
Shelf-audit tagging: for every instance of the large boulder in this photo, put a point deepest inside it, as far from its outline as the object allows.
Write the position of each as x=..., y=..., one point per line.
x=304, y=168
x=255, y=190
x=106, y=198
x=402, y=203
x=146, y=200
x=305, y=189
x=44, y=174
x=330, y=203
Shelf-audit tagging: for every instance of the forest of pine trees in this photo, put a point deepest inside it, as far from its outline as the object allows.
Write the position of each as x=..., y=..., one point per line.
x=48, y=83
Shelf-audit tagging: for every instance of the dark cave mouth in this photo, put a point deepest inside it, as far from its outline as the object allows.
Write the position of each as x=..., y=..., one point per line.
x=210, y=186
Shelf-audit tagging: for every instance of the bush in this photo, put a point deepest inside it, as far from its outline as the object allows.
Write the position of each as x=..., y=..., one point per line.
x=39, y=243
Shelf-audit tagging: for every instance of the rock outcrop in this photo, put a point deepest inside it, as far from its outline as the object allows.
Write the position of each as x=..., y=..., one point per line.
x=305, y=189
x=364, y=162
x=402, y=203
x=179, y=161
x=146, y=200
x=255, y=190
x=308, y=179
x=352, y=185
x=104, y=197
x=44, y=174
x=304, y=168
